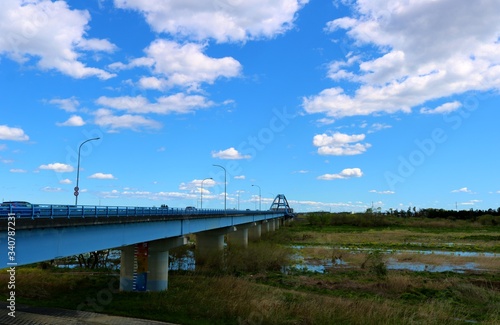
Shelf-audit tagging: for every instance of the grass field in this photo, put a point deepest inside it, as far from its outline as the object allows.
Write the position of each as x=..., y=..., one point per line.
x=250, y=287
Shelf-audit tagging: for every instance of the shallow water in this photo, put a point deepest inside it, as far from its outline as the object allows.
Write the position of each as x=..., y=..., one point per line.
x=306, y=263
x=184, y=263
x=320, y=266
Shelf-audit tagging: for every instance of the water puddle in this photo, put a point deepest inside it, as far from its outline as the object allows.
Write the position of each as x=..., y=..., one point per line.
x=312, y=259
x=308, y=258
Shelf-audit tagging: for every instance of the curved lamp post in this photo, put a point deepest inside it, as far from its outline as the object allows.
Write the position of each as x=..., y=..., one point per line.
x=225, y=192
x=78, y=169
x=201, y=192
x=260, y=197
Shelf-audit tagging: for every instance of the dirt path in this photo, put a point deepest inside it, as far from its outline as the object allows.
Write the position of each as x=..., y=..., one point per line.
x=26, y=315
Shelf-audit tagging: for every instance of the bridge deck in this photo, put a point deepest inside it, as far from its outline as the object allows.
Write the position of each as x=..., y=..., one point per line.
x=39, y=216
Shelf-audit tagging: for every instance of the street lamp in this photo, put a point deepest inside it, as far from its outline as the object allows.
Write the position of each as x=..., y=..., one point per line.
x=225, y=192
x=260, y=197
x=78, y=169
x=201, y=191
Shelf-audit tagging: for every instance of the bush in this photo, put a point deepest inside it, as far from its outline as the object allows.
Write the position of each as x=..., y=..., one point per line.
x=257, y=257
x=489, y=220
x=375, y=263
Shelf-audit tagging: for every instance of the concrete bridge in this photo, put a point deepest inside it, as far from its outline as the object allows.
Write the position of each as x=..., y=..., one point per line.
x=143, y=234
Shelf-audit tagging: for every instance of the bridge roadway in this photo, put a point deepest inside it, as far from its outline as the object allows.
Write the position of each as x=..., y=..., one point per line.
x=53, y=231
x=143, y=234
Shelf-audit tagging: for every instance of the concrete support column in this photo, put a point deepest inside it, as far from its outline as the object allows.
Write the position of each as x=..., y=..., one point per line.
x=209, y=245
x=157, y=264
x=265, y=226
x=127, y=268
x=255, y=232
x=277, y=224
x=238, y=237
x=272, y=225
x=158, y=271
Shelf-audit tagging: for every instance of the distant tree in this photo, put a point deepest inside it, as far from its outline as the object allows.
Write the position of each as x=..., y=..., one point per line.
x=93, y=259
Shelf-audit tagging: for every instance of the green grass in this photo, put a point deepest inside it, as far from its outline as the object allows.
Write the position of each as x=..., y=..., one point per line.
x=351, y=297
x=248, y=287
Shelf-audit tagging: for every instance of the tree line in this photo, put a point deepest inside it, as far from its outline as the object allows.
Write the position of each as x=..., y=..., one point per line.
x=377, y=218
x=432, y=213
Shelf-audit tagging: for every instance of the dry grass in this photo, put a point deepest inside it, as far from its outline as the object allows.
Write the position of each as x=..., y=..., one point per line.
x=399, y=237
x=481, y=261
x=281, y=306
x=350, y=298
x=249, y=289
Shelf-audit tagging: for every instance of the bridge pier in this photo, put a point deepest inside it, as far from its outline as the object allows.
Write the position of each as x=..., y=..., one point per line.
x=265, y=227
x=154, y=264
x=239, y=237
x=272, y=225
x=210, y=244
x=255, y=231
x=127, y=261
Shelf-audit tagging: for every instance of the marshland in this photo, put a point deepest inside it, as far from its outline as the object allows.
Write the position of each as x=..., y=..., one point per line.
x=323, y=268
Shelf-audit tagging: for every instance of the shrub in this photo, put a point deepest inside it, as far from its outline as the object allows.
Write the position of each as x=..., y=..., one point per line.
x=375, y=263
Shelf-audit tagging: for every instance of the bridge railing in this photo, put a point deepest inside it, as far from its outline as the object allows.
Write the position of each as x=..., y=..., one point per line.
x=86, y=211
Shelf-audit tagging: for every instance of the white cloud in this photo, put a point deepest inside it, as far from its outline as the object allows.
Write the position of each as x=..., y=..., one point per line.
x=382, y=192
x=346, y=173
x=426, y=50
x=65, y=181
x=375, y=127
x=182, y=65
x=105, y=118
x=58, y=167
x=74, y=120
x=153, y=83
x=17, y=170
x=195, y=185
x=102, y=176
x=13, y=134
x=462, y=190
x=340, y=144
x=52, y=34
x=221, y=20
x=207, y=182
x=179, y=103
x=67, y=104
x=446, y=108
x=240, y=177
x=325, y=121
x=471, y=202
x=51, y=189
x=230, y=153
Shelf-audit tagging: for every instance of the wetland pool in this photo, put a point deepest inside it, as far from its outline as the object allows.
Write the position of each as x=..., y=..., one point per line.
x=322, y=259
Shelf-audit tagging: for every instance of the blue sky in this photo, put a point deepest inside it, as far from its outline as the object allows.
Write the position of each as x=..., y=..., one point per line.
x=339, y=105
